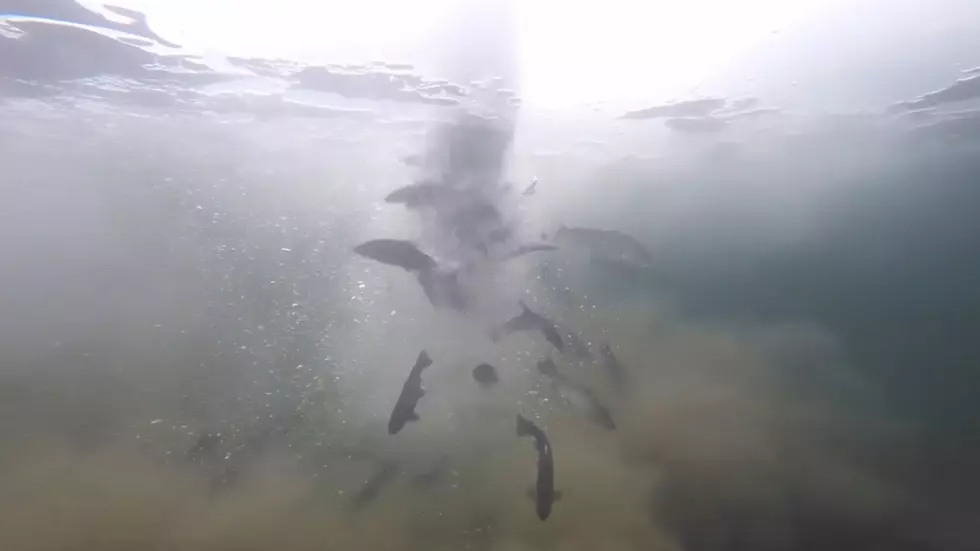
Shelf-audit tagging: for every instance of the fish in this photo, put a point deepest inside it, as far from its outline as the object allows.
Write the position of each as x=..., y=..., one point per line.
x=528, y=320
x=404, y=410
x=527, y=249
x=396, y=252
x=544, y=493
x=485, y=374
x=579, y=396
x=372, y=487
x=616, y=371
x=531, y=188
x=414, y=195
x=441, y=285
x=427, y=193
x=606, y=244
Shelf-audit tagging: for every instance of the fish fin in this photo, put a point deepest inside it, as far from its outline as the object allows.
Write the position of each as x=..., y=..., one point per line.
x=414, y=416
x=531, y=494
x=557, y=494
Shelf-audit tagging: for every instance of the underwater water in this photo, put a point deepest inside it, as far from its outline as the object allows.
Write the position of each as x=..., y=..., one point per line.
x=194, y=357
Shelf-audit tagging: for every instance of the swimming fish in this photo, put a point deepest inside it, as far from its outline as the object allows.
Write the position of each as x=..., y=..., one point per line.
x=544, y=493
x=527, y=249
x=396, y=252
x=371, y=490
x=615, y=369
x=404, y=410
x=441, y=285
x=578, y=396
x=606, y=244
x=531, y=188
x=528, y=320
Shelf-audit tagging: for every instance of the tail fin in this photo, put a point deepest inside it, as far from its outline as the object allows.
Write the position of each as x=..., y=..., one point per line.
x=525, y=427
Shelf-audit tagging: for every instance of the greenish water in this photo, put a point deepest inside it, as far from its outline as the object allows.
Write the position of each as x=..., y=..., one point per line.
x=802, y=368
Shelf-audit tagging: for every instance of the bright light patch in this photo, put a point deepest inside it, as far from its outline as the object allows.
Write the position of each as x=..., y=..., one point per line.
x=569, y=52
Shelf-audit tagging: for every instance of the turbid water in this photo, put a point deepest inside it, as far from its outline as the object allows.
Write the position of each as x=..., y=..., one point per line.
x=193, y=357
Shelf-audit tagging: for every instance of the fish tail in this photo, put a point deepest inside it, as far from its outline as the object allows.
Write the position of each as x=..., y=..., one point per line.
x=525, y=427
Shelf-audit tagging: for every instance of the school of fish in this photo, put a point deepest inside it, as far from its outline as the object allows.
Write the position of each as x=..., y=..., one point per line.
x=469, y=213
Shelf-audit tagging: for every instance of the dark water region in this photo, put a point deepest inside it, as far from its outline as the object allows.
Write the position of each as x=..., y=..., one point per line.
x=778, y=313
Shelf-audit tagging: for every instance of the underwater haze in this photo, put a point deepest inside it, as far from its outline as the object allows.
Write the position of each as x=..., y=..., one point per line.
x=723, y=258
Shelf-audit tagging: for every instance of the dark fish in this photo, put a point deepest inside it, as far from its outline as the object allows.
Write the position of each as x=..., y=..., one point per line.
x=580, y=397
x=396, y=252
x=544, y=493
x=441, y=286
x=412, y=390
x=608, y=244
x=485, y=374
x=531, y=188
x=426, y=194
x=375, y=483
x=413, y=195
x=615, y=369
x=528, y=320
x=527, y=249
x=552, y=336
